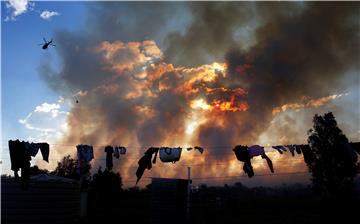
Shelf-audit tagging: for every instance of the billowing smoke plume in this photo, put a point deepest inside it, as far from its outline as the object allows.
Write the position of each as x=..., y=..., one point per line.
x=212, y=74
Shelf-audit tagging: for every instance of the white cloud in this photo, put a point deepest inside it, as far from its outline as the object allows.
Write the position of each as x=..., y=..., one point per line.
x=46, y=107
x=18, y=7
x=48, y=14
x=47, y=122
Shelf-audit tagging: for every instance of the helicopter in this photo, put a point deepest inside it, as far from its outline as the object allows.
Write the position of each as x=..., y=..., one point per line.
x=47, y=43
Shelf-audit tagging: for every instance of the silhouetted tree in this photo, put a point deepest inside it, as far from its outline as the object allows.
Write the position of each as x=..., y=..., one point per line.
x=68, y=167
x=333, y=163
x=106, y=187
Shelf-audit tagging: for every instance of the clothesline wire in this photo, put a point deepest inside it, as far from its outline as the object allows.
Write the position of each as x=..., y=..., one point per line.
x=211, y=154
x=238, y=176
x=146, y=147
x=201, y=164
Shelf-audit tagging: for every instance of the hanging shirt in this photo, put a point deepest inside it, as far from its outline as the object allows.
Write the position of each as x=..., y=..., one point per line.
x=45, y=150
x=245, y=154
x=109, y=159
x=145, y=162
x=85, y=152
x=256, y=150
x=32, y=148
x=242, y=153
x=17, y=154
x=170, y=154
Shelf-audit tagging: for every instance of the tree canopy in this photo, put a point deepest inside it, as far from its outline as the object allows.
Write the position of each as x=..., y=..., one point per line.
x=334, y=163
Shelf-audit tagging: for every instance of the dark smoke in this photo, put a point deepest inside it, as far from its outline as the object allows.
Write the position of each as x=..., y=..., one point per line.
x=297, y=54
x=290, y=50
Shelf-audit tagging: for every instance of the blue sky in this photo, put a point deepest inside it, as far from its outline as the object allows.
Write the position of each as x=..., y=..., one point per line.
x=22, y=87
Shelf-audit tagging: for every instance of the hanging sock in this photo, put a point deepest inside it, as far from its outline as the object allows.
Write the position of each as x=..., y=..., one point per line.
x=201, y=150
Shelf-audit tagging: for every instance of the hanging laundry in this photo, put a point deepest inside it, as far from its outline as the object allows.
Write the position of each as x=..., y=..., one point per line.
x=116, y=152
x=17, y=154
x=45, y=150
x=122, y=150
x=245, y=154
x=170, y=154
x=297, y=149
x=280, y=148
x=85, y=152
x=242, y=154
x=109, y=159
x=33, y=149
x=291, y=149
x=20, y=159
x=145, y=162
x=25, y=170
x=257, y=150
x=201, y=150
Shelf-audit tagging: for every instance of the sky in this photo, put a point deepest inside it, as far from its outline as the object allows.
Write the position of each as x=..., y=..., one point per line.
x=178, y=74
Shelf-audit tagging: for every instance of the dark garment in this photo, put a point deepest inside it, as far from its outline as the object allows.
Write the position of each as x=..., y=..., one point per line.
x=298, y=149
x=116, y=152
x=122, y=150
x=109, y=159
x=45, y=149
x=85, y=154
x=17, y=154
x=145, y=162
x=280, y=148
x=307, y=153
x=201, y=150
x=291, y=149
x=20, y=158
x=32, y=148
x=248, y=169
x=25, y=171
x=242, y=154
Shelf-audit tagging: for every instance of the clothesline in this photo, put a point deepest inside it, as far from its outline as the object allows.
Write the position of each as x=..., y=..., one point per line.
x=85, y=154
x=205, y=152
x=139, y=147
x=239, y=176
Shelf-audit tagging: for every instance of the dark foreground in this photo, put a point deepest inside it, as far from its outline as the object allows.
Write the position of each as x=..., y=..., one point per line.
x=52, y=203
